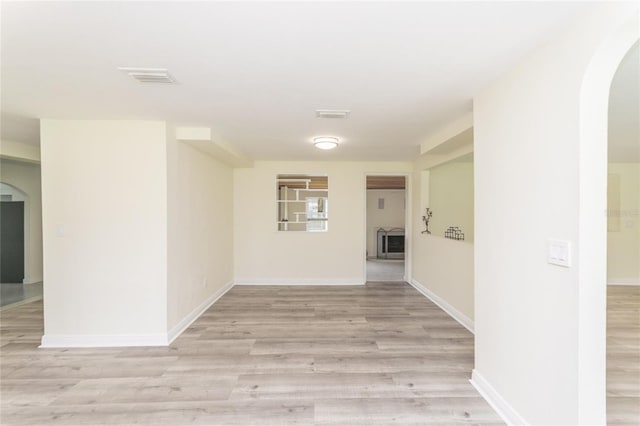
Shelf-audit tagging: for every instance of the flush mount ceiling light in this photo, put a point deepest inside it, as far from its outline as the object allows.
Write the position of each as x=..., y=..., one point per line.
x=325, y=142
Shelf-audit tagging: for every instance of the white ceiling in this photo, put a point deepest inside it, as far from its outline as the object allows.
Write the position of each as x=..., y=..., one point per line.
x=256, y=72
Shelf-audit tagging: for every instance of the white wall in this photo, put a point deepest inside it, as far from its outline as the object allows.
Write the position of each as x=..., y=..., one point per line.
x=21, y=151
x=26, y=177
x=451, y=198
x=200, y=229
x=391, y=216
x=623, y=238
x=104, y=193
x=530, y=347
x=264, y=255
x=443, y=267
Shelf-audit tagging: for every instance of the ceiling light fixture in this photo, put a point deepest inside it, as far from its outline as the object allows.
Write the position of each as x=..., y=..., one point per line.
x=325, y=142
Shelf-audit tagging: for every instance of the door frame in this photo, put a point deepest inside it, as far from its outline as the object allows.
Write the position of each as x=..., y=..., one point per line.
x=407, y=222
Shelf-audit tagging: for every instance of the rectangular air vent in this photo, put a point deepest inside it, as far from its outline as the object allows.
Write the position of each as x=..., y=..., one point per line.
x=332, y=113
x=149, y=75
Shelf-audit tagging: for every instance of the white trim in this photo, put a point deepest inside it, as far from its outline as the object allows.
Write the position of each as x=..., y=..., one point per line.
x=464, y=320
x=629, y=281
x=103, y=341
x=495, y=400
x=181, y=326
x=301, y=281
x=408, y=200
x=120, y=340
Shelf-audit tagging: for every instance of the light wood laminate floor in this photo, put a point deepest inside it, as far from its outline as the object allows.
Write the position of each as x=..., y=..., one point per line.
x=352, y=355
x=623, y=355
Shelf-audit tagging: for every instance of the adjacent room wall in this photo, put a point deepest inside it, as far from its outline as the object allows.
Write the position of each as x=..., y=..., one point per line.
x=451, y=198
x=200, y=231
x=26, y=177
x=533, y=358
x=25, y=152
x=104, y=192
x=266, y=256
x=391, y=216
x=623, y=238
x=442, y=268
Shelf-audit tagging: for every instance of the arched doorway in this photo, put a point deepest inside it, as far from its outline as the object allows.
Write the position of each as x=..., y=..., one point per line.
x=623, y=242
x=592, y=263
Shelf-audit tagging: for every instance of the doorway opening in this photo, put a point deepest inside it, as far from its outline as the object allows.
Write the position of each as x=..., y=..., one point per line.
x=12, y=234
x=623, y=241
x=14, y=248
x=386, y=243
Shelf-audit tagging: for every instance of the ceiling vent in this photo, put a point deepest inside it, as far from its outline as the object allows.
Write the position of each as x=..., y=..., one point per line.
x=332, y=113
x=149, y=75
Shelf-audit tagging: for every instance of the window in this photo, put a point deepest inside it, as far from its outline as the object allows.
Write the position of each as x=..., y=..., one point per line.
x=302, y=203
x=317, y=213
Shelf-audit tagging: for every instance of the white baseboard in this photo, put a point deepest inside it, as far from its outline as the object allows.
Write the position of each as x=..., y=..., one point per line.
x=106, y=341
x=497, y=402
x=303, y=281
x=103, y=341
x=464, y=320
x=195, y=314
x=624, y=281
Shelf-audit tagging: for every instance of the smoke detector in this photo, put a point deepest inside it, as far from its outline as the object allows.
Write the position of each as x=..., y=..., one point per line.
x=149, y=75
x=332, y=113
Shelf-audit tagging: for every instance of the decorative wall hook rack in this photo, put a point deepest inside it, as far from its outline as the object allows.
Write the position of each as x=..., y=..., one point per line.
x=427, y=216
x=454, y=233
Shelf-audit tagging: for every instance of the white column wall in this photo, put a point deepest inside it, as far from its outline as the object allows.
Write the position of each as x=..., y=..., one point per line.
x=539, y=354
x=104, y=193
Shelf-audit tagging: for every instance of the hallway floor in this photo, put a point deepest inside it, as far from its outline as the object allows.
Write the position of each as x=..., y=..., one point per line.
x=11, y=294
x=623, y=355
x=377, y=354
x=385, y=270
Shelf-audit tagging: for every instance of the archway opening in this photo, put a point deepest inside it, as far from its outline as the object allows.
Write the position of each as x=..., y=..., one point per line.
x=592, y=247
x=623, y=240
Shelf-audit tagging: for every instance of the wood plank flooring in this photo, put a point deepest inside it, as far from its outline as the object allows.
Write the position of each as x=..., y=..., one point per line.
x=343, y=355
x=623, y=355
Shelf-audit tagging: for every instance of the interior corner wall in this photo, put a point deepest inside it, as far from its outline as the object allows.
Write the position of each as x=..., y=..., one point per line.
x=263, y=255
x=527, y=143
x=392, y=215
x=26, y=177
x=200, y=231
x=623, y=240
x=104, y=189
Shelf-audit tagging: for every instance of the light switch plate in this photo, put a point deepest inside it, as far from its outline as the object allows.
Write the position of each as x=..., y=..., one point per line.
x=559, y=253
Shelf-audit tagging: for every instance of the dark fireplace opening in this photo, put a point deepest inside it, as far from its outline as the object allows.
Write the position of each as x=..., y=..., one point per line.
x=390, y=243
x=393, y=244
